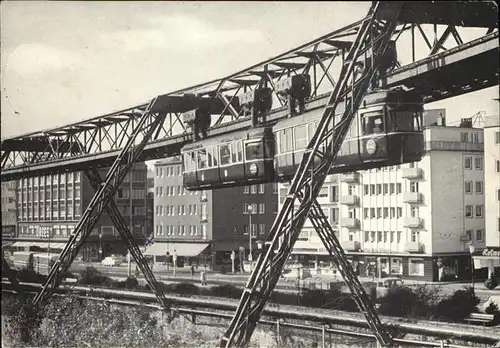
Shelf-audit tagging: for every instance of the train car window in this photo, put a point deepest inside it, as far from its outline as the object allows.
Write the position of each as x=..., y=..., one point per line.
x=254, y=150
x=210, y=151
x=224, y=154
x=202, y=158
x=300, y=137
x=288, y=139
x=372, y=122
x=417, y=121
x=239, y=150
x=406, y=120
x=282, y=141
x=185, y=162
x=311, y=129
x=234, y=153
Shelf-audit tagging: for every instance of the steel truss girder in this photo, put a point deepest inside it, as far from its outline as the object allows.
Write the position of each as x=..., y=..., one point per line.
x=305, y=187
x=105, y=193
x=118, y=221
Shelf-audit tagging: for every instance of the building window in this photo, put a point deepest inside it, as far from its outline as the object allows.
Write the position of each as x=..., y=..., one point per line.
x=366, y=213
x=498, y=195
x=414, y=186
x=468, y=162
x=497, y=137
x=379, y=189
x=379, y=213
x=480, y=235
x=398, y=188
x=468, y=234
x=262, y=208
x=479, y=211
x=261, y=188
x=416, y=267
x=478, y=163
x=399, y=212
x=367, y=236
x=479, y=187
x=498, y=166
x=334, y=215
x=246, y=190
x=254, y=189
x=262, y=228
x=468, y=211
x=334, y=194
x=372, y=190
x=372, y=213
x=386, y=189
x=366, y=189
x=415, y=236
x=396, y=265
x=468, y=187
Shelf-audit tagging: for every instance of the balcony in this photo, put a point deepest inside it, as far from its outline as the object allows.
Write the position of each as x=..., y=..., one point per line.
x=350, y=245
x=350, y=200
x=414, y=247
x=412, y=173
x=350, y=177
x=413, y=222
x=412, y=197
x=350, y=223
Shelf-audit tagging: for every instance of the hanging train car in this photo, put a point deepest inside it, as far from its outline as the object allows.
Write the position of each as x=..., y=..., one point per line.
x=387, y=130
x=236, y=159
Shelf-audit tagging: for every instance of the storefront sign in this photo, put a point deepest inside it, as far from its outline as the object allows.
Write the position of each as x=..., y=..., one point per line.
x=491, y=252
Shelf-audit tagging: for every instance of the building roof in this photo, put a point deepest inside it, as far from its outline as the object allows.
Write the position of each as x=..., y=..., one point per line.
x=492, y=121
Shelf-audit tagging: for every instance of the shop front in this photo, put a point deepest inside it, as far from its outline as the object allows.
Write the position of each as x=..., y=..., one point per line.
x=488, y=259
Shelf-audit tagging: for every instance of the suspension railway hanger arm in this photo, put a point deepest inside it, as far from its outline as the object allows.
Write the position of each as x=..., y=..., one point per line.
x=310, y=177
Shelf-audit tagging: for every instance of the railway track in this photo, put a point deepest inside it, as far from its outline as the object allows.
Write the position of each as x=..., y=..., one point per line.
x=279, y=315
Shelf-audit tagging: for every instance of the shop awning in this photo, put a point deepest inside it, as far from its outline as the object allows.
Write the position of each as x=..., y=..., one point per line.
x=181, y=249
x=25, y=244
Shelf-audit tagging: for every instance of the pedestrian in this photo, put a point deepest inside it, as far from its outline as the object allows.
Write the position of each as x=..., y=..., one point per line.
x=203, y=278
x=192, y=271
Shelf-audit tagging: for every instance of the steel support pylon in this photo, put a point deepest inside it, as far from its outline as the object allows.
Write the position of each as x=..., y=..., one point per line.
x=146, y=126
x=127, y=236
x=310, y=176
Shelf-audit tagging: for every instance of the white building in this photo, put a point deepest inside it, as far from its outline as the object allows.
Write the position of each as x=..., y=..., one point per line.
x=490, y=257
x=415, y=220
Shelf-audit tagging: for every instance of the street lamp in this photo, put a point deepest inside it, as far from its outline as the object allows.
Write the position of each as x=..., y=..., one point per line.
x=471, y=250
x=250, y=259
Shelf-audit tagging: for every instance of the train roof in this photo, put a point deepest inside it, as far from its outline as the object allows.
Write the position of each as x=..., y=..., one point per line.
x=244, y=134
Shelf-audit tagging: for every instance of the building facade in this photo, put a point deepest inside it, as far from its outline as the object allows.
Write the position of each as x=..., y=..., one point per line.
x=490, y=256
x=204, y=227
x=415, y=220
x=9, y=212
x=49, y=208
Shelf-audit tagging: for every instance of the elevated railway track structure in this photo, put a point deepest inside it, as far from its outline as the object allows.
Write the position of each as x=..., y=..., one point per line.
x=156, y=130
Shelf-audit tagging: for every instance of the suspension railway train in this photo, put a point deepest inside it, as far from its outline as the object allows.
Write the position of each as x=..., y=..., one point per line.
x=387, y=130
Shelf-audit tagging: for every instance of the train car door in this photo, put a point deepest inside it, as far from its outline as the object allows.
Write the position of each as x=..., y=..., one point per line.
x=230, y=163
x=189, y=175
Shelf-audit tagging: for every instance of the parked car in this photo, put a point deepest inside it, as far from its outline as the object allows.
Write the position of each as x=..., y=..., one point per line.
x=111, y=261
x=122, y=258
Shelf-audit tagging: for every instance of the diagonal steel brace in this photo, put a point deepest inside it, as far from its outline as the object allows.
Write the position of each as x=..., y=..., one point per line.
x=127, y=236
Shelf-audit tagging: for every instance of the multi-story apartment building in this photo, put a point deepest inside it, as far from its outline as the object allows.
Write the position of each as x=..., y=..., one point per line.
x=490, y=256
x=49, y=208
x=415, y=220
x=205, y=226
x=9, y=212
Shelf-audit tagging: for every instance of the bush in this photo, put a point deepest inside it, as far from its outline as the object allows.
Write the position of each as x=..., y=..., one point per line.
x=458, y=306
x=91, y=276
x=30, y=276
x=491, y=282
x=406, y=301
x=226, y=291
x=185, y=289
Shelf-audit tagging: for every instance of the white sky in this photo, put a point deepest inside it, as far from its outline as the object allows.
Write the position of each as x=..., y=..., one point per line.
x=63, y=62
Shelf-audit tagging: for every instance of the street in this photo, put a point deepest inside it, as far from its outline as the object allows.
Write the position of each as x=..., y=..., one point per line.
x=321, y=282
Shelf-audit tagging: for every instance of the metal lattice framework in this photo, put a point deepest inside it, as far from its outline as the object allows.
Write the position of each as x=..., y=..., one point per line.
x=103, y=200
x=373, y=36
x=99, y=140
